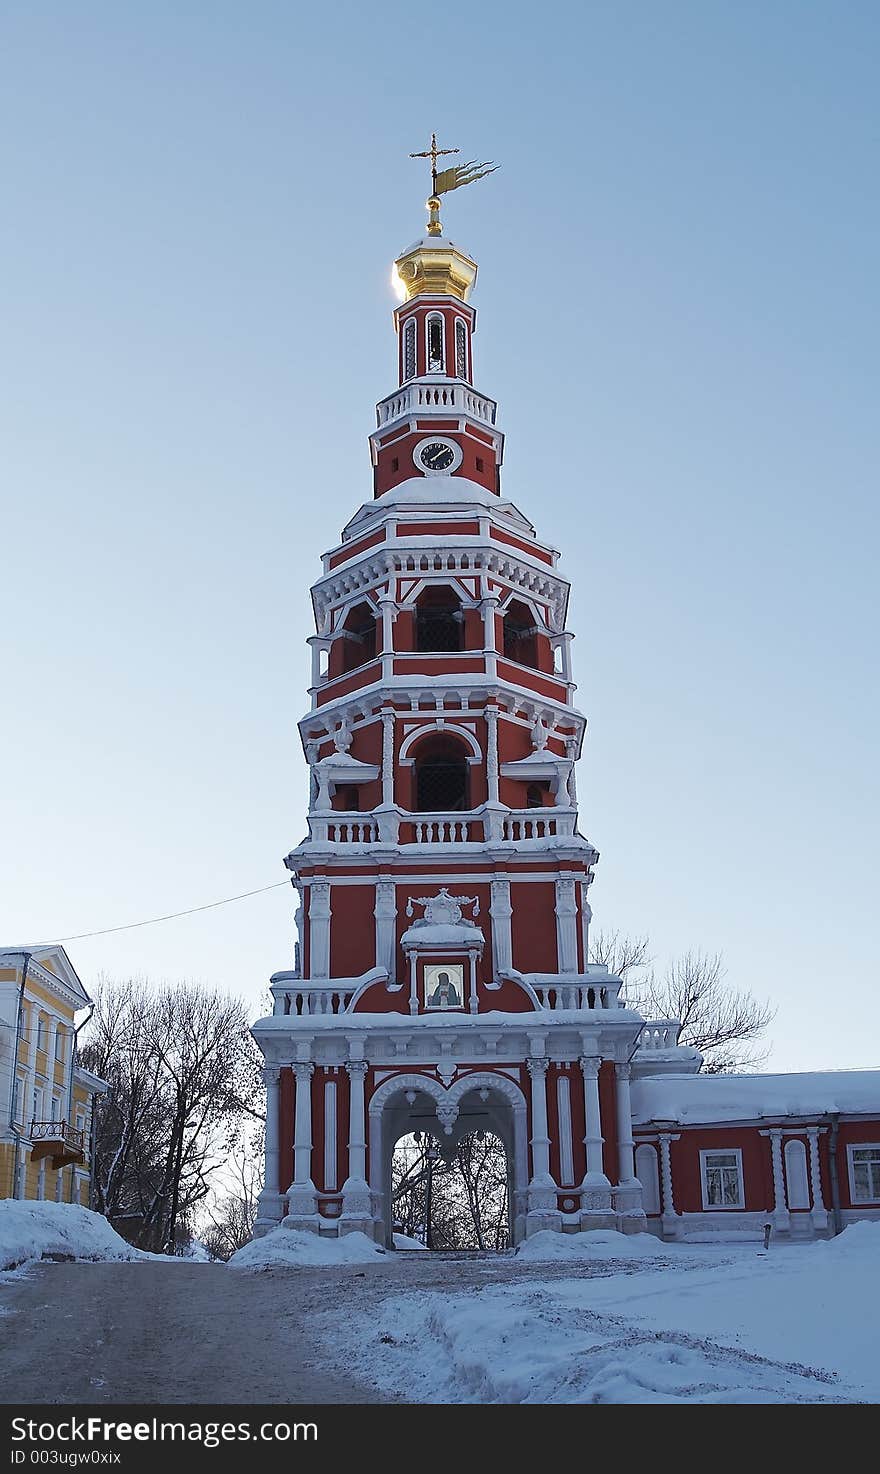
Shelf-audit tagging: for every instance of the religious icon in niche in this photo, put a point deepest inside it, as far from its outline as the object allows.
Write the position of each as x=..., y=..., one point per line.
x=444, y=985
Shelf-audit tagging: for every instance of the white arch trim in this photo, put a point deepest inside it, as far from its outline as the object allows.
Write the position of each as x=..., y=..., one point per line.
x=398, y=1084
x=429, y=578
x=448, y=729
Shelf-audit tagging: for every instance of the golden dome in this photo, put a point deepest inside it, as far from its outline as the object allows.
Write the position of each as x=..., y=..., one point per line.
x=435, y=267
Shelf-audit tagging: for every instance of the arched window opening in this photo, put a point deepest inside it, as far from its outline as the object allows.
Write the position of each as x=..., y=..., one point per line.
x=447, y=1197
x=439, y=621
x=797, y=1187
x=536, y=795
x=436, y=349
x=409, y=350
x=442, y=777
x=358, y=637
x=520, y=631
x=646, y=1172
x=461, y=363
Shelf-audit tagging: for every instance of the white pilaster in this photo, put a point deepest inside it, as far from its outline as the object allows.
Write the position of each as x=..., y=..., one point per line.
x=269, y=1206
x=387, y=756
x=501, y=911
x=492, y=753
x=50, y=1065
x=388, y=610
x=385, y=912
x=566, y=925
x=319, y=929
x=31, y=1077
x=819, y=1214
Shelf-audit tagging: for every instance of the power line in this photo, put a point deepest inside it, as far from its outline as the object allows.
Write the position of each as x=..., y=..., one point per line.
x=172, y=916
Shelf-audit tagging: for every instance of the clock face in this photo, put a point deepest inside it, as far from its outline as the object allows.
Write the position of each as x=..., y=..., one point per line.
x=437, y=455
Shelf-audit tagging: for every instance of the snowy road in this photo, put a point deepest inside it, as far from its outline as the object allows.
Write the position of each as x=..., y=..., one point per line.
x=687, y=1324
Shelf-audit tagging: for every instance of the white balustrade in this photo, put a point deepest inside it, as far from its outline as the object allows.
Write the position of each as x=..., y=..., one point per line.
x=514, y=827
x=436, y=398
x=441, y=830
x=660, y=1034
x=558, y=996
x=312, y=998
x=522, y=824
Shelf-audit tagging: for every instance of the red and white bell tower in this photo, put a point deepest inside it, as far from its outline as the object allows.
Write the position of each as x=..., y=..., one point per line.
x=442, y=978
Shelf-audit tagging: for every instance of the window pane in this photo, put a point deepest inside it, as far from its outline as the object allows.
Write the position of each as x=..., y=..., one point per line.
x=731, y=1186
x=861, y=1181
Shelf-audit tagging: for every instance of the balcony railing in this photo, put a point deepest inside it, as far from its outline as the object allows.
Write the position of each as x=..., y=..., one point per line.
x=447, y=397
x=579, y=995
x=399, y=827
x=660, y=1034
x=57, y=1139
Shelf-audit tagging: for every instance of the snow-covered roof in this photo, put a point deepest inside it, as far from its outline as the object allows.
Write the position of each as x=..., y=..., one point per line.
x=436, y=491
x=692, y=1100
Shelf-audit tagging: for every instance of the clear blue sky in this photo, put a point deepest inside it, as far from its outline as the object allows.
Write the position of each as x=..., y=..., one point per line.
x=679, y=314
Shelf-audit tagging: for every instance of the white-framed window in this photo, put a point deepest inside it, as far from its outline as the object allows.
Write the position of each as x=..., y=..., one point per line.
x=37, y=1104
x=17, y=1097
x=461, y=356
x=41, y=1032
x=80, y=1119
x=722, y=1178
x=864, y=1172
x=56, y=1108
x=435, y=342
x=59, y=1045
x=409, y=350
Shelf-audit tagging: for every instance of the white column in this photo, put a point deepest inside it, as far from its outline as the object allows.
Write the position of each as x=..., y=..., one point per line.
x=628, y=1193
x=501, y=911
x=302, y=1201
x=781, y=1219
x=319, y=929
x=269, y=1205
x=669, y=1216
x=492, y=753
x=388, y=610
x=819, y=1214
x=543, y=1211
x=356, y=1211
x=595, y=1188
x=566, y=926
x=489, y=608
x=385, y=912
x=586, y=918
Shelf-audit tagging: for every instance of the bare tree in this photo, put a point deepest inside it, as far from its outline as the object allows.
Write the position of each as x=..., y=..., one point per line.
x=722, y=1022
x=180, y=1064
x=230, y=1220
x=465, y=1198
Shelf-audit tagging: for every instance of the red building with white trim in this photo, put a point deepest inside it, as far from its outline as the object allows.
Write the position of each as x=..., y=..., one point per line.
x=441, y=979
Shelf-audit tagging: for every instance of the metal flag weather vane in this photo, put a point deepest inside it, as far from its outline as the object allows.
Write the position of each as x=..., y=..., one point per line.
x=448, y=179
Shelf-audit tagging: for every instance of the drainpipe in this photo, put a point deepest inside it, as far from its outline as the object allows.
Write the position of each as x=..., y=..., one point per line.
x=73, y=1051
x=832, y=1173
x=12, y=1126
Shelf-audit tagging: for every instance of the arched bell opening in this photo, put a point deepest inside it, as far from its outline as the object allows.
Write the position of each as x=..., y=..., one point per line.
x=441, y=776
x=521, y=635
x=439, y=621
x=356, y=643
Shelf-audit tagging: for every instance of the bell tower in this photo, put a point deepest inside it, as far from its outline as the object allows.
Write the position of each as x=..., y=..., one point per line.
x=442, y=966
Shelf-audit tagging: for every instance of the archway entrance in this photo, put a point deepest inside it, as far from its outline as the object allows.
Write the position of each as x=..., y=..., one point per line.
x=448, y=1200
x=466, y=1147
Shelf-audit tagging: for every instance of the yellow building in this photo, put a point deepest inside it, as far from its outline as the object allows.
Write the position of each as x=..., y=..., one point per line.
x=46, y=1098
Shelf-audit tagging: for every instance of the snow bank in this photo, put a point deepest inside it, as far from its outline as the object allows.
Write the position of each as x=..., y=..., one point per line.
x=403, y=1241
x=600, y=1243
x=31, y=1231
x=860, y=1240
x=292, y=1246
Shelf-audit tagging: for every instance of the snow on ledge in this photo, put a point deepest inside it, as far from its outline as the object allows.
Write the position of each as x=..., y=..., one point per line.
x=30, y=1231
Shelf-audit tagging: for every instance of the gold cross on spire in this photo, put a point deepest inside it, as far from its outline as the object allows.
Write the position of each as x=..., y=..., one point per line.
x=447, y=179
x=434, y=153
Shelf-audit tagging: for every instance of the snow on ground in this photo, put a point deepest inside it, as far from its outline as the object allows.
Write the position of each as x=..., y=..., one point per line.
x=31, y=1230
x=727, y=1324
x=601, y=1243
x=291, y=1246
